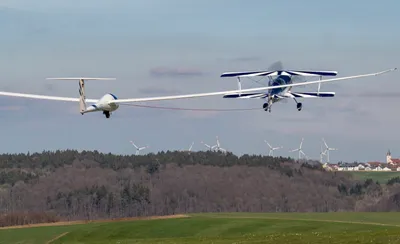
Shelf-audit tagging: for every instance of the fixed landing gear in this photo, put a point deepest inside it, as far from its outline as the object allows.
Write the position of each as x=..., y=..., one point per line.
x=299, y=105
x=107, y=114
x=267, y=107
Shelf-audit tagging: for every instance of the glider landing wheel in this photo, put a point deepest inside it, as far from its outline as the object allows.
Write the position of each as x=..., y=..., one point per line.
x=107, y=114
x=299, y=106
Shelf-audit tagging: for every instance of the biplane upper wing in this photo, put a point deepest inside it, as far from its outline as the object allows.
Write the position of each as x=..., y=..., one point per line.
x=262, y=95
x=279, y=72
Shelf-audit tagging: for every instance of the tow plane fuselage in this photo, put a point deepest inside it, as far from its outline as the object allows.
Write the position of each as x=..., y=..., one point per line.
x=280, y=80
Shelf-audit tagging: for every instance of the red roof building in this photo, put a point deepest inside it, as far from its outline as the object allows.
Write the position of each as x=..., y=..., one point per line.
x=375, y=164
x=392, y=161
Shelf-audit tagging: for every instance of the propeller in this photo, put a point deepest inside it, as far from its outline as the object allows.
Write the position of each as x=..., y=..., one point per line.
x=279, y=66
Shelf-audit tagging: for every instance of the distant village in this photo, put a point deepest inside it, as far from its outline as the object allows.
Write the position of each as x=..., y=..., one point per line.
x=392, y=164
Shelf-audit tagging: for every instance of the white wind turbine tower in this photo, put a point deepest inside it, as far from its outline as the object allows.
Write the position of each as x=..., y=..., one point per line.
x=327, y=149
x=321, y=155
x=138, y=149
x=299, y=150
x=272, y=149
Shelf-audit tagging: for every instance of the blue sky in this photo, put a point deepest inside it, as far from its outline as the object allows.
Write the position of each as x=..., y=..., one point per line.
x=136, y=40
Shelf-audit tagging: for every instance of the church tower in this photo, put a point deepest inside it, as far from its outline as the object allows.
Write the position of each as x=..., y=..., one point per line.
x=388, y=157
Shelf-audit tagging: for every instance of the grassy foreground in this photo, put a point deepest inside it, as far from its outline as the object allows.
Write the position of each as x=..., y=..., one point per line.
x=223, y=228
x=381, y=177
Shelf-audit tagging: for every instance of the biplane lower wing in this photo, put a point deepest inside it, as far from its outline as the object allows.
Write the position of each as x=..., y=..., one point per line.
x=260, y=95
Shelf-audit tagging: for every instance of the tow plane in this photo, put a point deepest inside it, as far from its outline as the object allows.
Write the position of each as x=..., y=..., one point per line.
x=279, y=78
x=278, y=88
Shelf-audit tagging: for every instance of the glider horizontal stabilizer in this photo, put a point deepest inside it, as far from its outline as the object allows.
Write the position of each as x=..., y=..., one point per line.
x=80, y=78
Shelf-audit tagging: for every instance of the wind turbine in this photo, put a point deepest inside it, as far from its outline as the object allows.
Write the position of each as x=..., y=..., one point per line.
x=191, y=146
x=138, y=149
x=218, y=146
x=208, y=146
x=321, y=155
x=272, y=149
x=299, y=149
x=327, y=149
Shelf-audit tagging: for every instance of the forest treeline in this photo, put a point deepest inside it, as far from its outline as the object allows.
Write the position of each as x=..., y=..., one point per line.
x=88, y=185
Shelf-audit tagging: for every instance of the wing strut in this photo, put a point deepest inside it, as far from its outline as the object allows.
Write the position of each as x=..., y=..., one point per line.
x=319, y=85
x=239, y=86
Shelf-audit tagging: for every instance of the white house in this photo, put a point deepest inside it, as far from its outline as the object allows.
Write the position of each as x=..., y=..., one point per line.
x=377, y=169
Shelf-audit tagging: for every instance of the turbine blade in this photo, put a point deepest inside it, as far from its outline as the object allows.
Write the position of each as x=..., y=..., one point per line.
x=190, y=148
x=301, y=143
x=134, y=144
x=326, y=145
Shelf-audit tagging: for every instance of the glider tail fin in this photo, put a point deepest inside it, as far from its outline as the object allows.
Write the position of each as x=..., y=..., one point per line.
x=82, y=96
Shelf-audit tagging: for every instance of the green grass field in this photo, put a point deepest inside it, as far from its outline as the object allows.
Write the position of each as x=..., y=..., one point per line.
x=381, y=177
x=224, y=228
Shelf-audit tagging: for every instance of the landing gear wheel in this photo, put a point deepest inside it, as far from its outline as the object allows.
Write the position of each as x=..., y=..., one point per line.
x=299, y=106
x=107, y=114
x=266, y=107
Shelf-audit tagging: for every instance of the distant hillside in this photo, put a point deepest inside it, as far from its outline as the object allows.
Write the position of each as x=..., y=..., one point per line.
x=72, y=185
